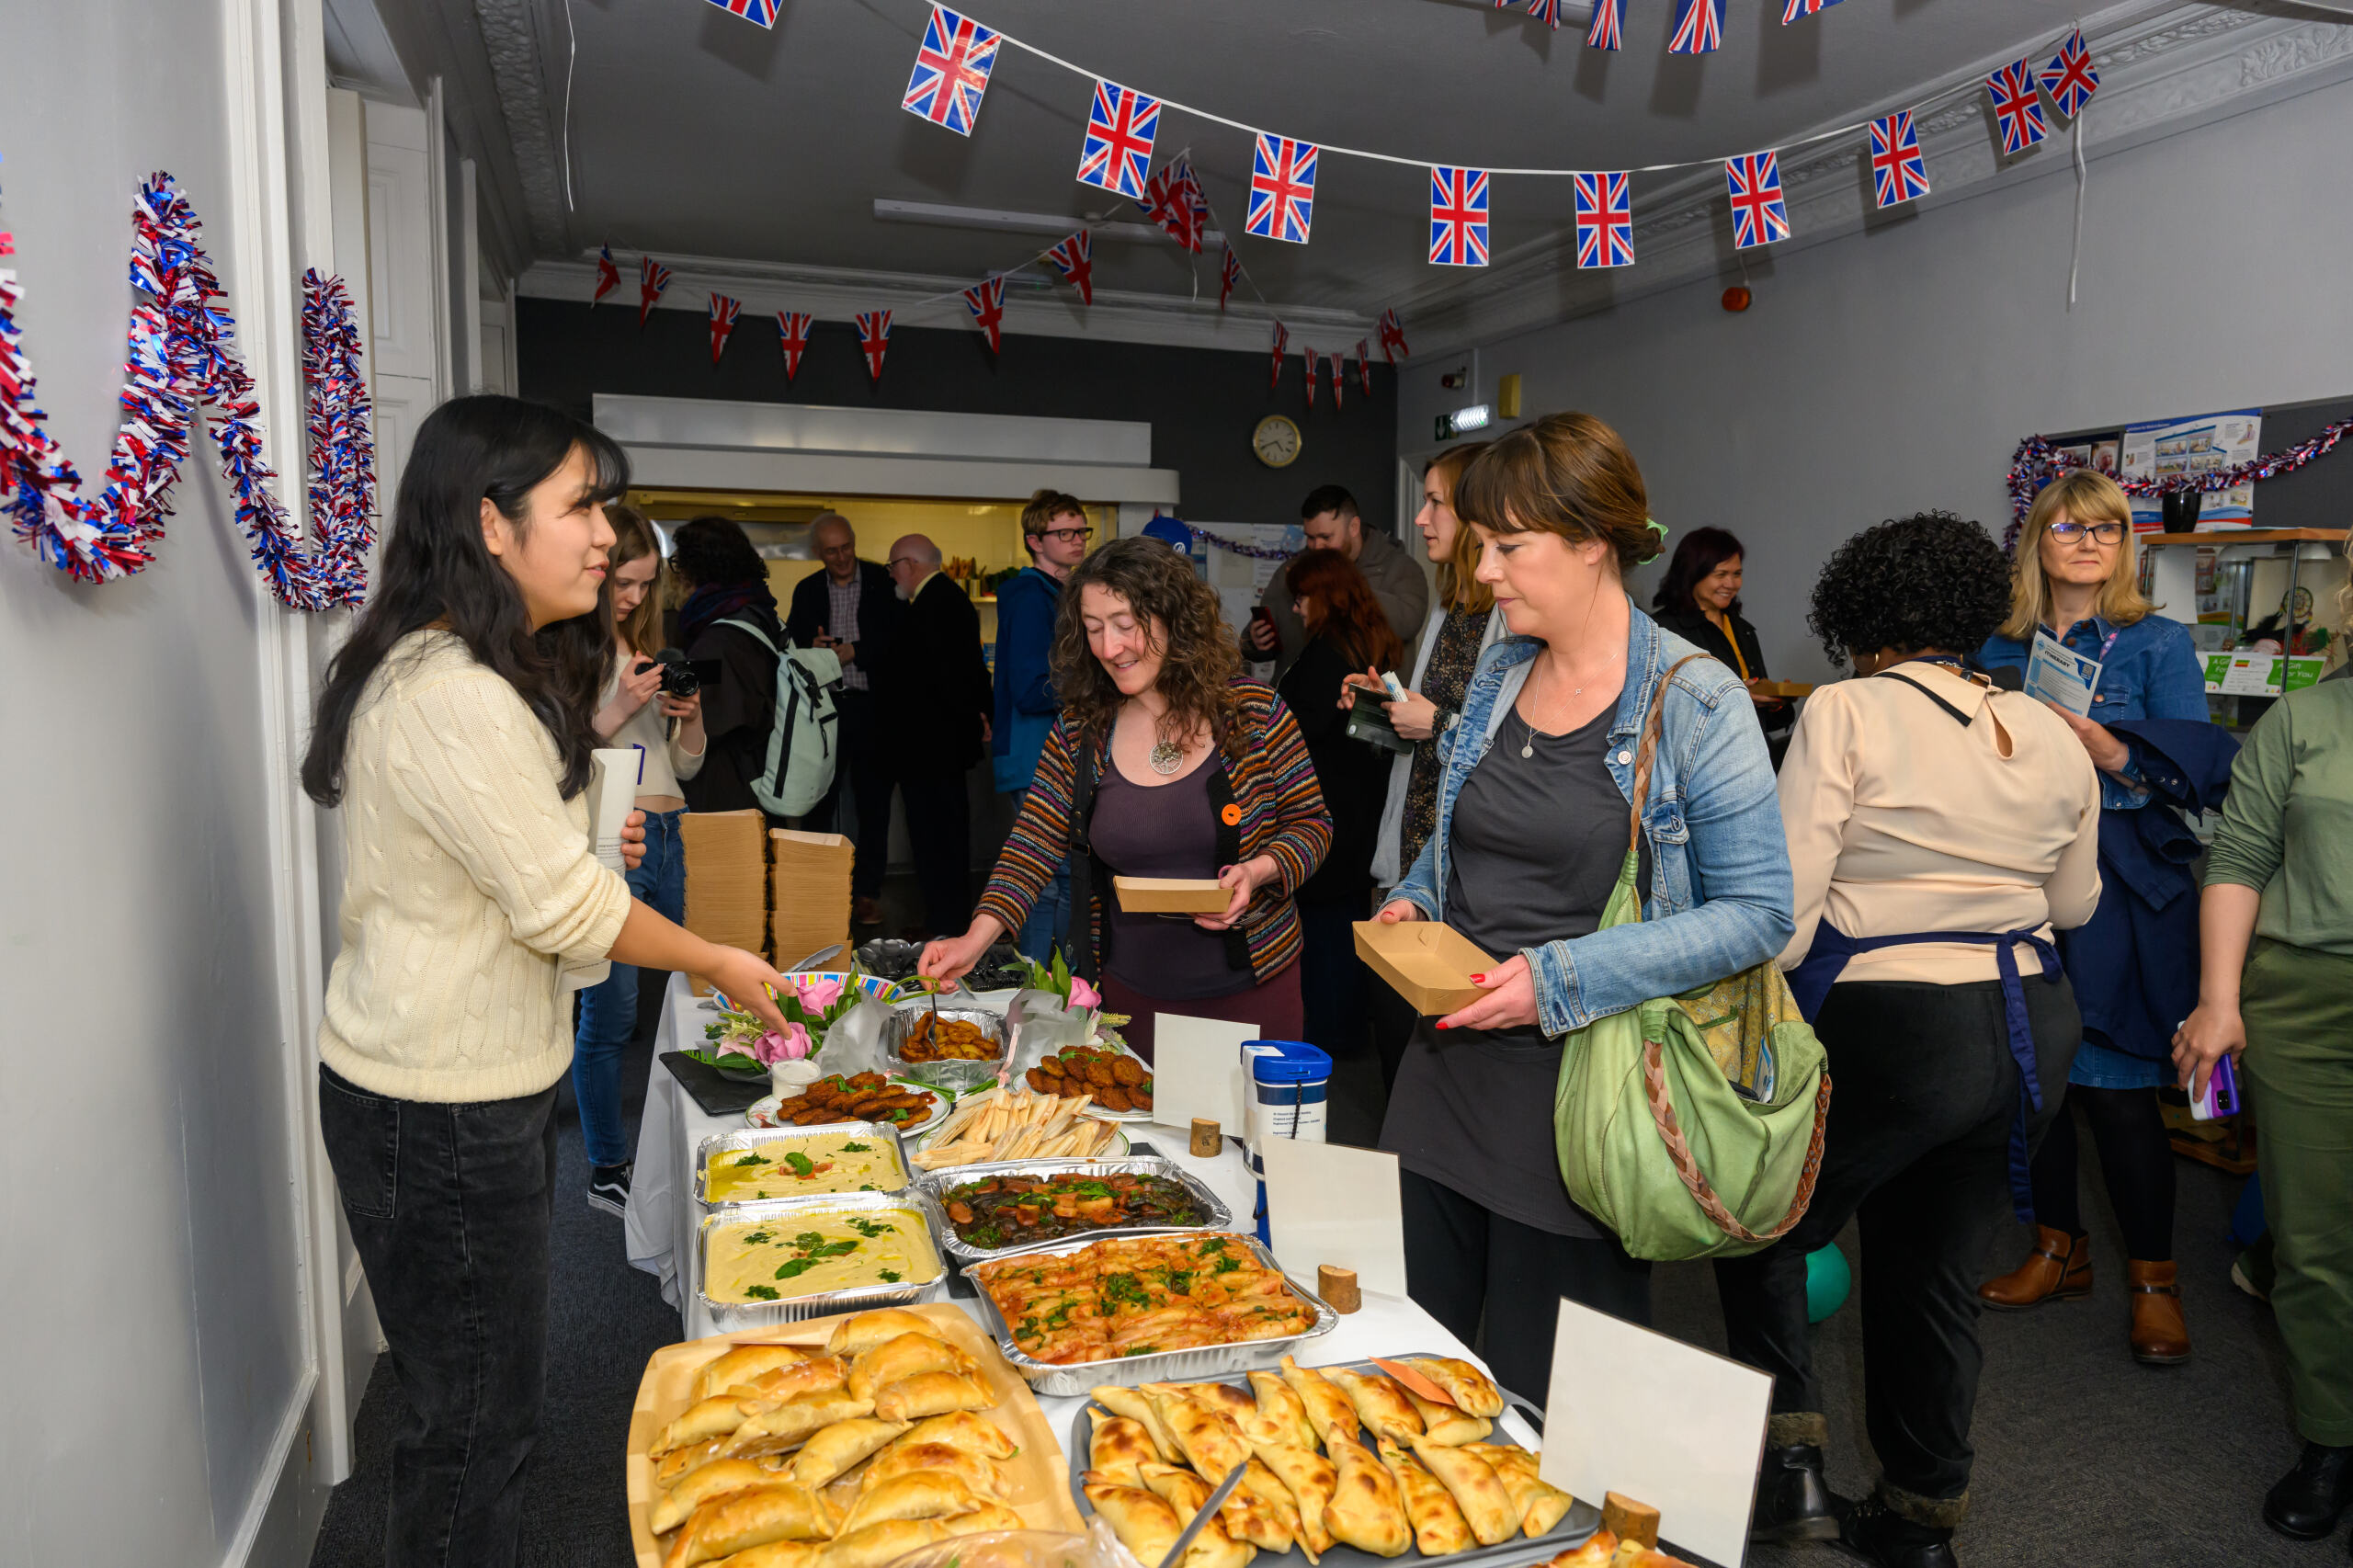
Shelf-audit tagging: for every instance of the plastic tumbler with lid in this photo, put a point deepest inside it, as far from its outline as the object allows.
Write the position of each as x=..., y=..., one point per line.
x=1287, y=1088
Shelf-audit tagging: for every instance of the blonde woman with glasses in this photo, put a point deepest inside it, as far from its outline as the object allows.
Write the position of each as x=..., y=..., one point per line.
x=2133, y=964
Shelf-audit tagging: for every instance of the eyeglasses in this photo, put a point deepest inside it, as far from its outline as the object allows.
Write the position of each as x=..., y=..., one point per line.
x=1067, y=536
x=2106, y=533
x=899, y=560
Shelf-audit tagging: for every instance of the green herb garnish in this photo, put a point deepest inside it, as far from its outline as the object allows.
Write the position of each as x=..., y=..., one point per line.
x=803, y=1166
x=760, y=1292
x=755, y=1238
x=1227, y=1265
x=858, y=1148
x=752, y=1160
x=794, y=1268
x=891, y=1276
x=1180, y=1282
x=868, y=1186
x=870, y=1228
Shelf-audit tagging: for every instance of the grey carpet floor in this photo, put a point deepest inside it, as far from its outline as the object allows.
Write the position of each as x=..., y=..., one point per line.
x=2085, y=1458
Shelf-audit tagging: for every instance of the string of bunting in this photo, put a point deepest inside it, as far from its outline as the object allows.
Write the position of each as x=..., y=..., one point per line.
x=956, y=54
x=179, y=353
x=2037, y=462
x=1203, y=536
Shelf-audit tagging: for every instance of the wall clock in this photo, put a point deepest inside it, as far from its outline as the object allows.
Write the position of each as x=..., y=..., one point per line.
x=1276, y=440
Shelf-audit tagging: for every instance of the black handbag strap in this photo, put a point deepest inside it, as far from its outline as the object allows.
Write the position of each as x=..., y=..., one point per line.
x=1958, y=716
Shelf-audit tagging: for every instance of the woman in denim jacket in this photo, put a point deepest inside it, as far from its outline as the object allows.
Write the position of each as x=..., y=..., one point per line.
x=2134, y=966
x=1530, y=836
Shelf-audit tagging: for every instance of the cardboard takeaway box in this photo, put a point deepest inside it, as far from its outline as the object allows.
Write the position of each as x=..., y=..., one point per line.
x=1170, y=895
x=1428, y=964
x=809, y=895
x=727, y=881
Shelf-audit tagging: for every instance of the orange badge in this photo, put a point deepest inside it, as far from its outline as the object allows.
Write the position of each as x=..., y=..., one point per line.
x=1232, y=816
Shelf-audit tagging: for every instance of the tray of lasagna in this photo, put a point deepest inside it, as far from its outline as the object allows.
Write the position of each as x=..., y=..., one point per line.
x=842, y=1442
x=1143, y=1305
x=1344, y=1464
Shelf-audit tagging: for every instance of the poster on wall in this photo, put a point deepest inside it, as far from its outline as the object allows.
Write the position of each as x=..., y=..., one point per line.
x=2194, y=446
x=1239, y=579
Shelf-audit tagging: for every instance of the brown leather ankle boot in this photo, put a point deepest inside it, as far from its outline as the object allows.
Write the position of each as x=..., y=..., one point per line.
x=2160, y=1337
x=2058, y=1270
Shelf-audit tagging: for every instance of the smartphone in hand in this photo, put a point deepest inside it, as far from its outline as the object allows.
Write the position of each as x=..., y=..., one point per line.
x=2221, y=1097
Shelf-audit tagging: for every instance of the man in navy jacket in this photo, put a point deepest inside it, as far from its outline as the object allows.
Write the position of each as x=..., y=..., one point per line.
x=1054, y=530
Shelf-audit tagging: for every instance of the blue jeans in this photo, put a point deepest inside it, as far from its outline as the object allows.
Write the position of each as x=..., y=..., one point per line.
x=609, y=1009
x=1050, y=913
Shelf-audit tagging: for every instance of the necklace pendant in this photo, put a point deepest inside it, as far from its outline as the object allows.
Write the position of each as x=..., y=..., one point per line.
x=1167, y=759
x=1528, y=750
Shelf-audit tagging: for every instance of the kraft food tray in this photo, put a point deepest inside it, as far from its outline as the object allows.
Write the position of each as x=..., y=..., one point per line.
x=881, y=1133
x=730, y=1317
x=1198, y=1364
x=1215, y=1215
x=1575, y=1526
x=955, y=1075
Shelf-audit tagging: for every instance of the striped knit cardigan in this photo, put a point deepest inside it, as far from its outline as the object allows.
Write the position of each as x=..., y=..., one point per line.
x=1284, y=817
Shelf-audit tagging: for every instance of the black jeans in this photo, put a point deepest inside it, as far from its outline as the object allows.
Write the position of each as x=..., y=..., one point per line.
x=1464, y=1262
x=939, y=831
x=450, y=1207
x=1923, y=1091
x=860, y=774
x=1333, y=986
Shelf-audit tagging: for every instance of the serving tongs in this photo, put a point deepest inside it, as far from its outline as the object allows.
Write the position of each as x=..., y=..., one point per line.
x=1208, y=1512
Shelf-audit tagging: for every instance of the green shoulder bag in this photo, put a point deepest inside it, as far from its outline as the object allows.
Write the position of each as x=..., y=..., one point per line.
x=1691, y=1125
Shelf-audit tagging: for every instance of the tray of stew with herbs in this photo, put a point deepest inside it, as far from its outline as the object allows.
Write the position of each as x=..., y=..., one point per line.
x=993, y=1209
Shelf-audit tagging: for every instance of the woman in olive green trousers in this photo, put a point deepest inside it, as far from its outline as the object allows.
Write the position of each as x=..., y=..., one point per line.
x=2281, y=875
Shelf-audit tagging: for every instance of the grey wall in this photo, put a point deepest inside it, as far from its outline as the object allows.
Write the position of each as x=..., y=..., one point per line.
x=1896, y=369
x=1201, y=404
x=151, y=1333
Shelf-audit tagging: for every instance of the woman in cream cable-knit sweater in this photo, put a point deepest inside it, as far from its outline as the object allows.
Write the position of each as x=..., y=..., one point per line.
x=455, y=731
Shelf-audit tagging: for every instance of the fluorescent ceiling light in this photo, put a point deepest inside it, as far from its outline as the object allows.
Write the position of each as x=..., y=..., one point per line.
x=1054, y=223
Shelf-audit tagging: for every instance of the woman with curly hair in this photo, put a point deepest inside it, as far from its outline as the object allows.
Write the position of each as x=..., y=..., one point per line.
x=2134, y=965
x=1939, y=829
x=1164, y=763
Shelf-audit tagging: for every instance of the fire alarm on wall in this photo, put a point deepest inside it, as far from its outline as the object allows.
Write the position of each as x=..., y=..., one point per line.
x=1455, y=380
x=1737, y=298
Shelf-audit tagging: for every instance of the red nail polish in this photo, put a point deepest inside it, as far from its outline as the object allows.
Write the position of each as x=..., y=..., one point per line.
x=1478, y=979
x=1444, y=1025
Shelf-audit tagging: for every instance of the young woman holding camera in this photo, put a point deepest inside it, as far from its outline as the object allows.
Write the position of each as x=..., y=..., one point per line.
x=634, y=712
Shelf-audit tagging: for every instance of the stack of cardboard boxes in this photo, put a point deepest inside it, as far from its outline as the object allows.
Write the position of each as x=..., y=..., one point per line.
x=777, y=894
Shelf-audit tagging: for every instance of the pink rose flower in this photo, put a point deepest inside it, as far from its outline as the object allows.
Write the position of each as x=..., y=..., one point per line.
x=1083, y=995
x=821, y=991
x=738, y=1048
x=790, y=1045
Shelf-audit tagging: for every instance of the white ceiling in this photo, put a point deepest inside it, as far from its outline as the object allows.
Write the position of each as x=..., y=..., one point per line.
x=693, y=134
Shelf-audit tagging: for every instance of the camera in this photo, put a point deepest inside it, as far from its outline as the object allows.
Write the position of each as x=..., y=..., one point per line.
x=679, y=676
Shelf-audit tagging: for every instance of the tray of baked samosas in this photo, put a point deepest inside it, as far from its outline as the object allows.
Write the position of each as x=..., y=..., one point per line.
x=1345, y=1464
x=842, y=1442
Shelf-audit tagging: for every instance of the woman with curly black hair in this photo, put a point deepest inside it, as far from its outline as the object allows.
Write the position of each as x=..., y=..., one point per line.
x=1164, y=763
x=1938, y=825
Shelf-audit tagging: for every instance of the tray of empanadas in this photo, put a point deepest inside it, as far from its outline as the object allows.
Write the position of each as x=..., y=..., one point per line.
x=843, y=1442
x=1345, y=1465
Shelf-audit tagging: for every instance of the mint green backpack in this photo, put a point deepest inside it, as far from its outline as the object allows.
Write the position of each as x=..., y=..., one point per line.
x=1691, y=1125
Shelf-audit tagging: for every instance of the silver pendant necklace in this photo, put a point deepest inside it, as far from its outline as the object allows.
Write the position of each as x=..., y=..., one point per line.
x=1528, y=747
x=1166, y=757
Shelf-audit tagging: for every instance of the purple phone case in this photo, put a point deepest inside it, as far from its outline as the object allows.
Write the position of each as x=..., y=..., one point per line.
x=2222, y=1096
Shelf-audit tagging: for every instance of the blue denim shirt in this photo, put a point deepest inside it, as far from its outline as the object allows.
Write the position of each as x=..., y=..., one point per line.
x=2152, y=672
x=1721, y=898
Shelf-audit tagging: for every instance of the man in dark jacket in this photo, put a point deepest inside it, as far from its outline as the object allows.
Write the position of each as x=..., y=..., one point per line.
x=933, y=702
x=852, y=607
x=1054, y=530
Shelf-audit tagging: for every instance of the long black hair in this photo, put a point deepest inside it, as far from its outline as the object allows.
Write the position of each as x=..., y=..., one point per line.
x=435, y=569
x=1696, y=555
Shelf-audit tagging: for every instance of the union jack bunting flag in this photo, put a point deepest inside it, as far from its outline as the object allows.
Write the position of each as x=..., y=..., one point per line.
x=1282, y=189
x=1759, y=213
x=1392, y=338
x=874, y=339
x=1605, y=219
x=1364, y=368
x=1793, y=9
x=609, y=276
x=723, y=322
x=1281, y=342
x=1117, y=153
x=1897, y=169
x=2069, y=78
x=1545, y=11
x=986, y=302
x=1173, y=199
x=792, y=337
x=1307, y=357
x=1229, y=273
x=1458, y=217
x=2015, y=108
x=1075, y=259
x=760, y=11
x=952, y=71
x=1339, y=380
x=651, y=278
x=1608, y=29
x=1698, y=27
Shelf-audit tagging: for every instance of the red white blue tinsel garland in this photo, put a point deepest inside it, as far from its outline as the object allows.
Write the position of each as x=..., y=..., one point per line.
x=2037, y=462
x=1255, y=551
x=179, y=353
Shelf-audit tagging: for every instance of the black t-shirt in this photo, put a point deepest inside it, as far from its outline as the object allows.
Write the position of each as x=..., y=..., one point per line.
x=1353, y=775
x=1536, y=843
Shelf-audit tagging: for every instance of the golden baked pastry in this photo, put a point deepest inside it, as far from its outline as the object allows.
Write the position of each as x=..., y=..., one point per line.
x=1311, y=1479
x=1118, y=1446
x=1132, y=1404
x=1367, y=1510
x=1328, y=1410
x=780, y=1428
x=1439, y=1528
x=919, y=1495
x=962, y=1429
x=1473, y=1392
x=857, y=1336
x=741, y=1364
x=714, y=1418
x=903, y=1356
x=932, y=1393
x=1283, y=1417
x=1379, y=1402
x=977, y=1473
x=730, y=1524
x=1447, y=1424
x=834, y=1450
x=1476, y=1488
